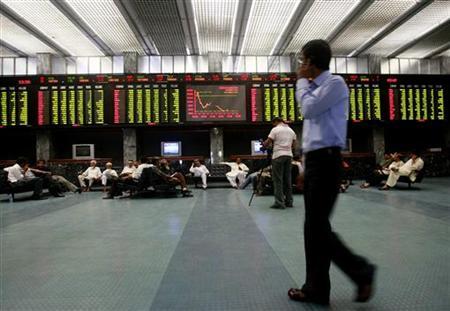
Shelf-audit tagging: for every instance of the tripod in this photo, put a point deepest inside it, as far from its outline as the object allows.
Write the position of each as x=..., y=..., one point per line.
x=266, y=163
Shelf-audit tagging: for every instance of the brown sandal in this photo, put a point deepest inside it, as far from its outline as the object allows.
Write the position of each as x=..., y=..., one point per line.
x=298, y=295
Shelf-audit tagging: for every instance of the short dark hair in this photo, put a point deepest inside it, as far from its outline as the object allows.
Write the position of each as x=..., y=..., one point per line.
x=277, y=119
x=22, y=161
x=318, y=52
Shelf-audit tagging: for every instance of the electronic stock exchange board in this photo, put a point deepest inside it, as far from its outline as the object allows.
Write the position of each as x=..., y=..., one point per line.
x=177, y=99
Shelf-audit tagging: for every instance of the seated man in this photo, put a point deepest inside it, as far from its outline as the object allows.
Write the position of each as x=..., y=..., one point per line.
x=391, y=162
x=410, y=169
x=167, y=174
x=128, y=170
x=41, y=169
x=18, y=181
x=92, y=174
x=380, y=172
x=253, y=178
x=238, y=172
x=108, y=174
x=200, y=170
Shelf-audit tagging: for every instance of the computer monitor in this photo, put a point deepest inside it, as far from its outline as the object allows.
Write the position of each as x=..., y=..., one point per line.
x=256, y=147
x=83, y=151
x=171, y=148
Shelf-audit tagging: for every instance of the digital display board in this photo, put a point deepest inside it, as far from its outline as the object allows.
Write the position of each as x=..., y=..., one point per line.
x=173, y=99
x=15, y=102
x=270, y=100
x=215, y=103
x=418, y=98
x=364, y=97
x=71, y=100
x=139, y=101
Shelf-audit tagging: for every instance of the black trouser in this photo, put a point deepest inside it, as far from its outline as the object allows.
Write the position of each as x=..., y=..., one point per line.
x=34, y=184
x=375, y=178
x=322, y=180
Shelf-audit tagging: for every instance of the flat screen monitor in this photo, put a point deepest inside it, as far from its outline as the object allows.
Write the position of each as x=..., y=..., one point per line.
x=215, y=103
x=256, y=147
x=171, y=148
x=83, y=151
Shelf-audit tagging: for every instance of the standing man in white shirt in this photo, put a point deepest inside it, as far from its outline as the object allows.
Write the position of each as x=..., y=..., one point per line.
x=108, y=174
x=200, y=170
x=282, y=138
x=238, y=172
x=17, y=179
x=92, y=174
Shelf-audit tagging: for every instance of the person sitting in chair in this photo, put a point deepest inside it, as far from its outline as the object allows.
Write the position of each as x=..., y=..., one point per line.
x=410, y=169
x=18, y=180
x=108, y=174
x=128, y=170
x=238, y=172
x=167, y=174
x=41, y=170
x=92, y=174
x=200, y=170
x=382, y=170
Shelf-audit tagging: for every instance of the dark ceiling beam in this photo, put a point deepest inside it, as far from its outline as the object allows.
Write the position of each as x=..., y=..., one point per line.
x=66, y=9
x=427, y=34
x=360, y=8
x=291, y=29
x=420, y=5
x=438, y=51
x=240, y=25
x=186, y=12
x=21, y=22
x=12, y=49
x=129, y=13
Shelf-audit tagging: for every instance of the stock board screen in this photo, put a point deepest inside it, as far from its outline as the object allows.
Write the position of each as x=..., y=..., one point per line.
x=215, y=103
x=146, y=103
x=70, y=101
x=270, y=100
x=364, y=97
x=120, y=100
x=418, y=98
x=15, y=96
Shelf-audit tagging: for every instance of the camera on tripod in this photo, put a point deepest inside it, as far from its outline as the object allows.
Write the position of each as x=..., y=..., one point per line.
x=265, y=149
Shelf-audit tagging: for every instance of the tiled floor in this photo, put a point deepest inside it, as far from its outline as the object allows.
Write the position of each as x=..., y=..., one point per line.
x=213, y=252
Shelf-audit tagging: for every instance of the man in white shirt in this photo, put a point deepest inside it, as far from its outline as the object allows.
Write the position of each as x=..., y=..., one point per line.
x=108, y=174
x=282, y=138
x=18, y=180
x=200, y=170
x=92, y=174
x=128, y=170
x=410, y=169
x=238, y=172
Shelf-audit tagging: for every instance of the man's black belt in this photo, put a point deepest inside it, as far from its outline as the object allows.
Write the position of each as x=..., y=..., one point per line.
x=323, y=152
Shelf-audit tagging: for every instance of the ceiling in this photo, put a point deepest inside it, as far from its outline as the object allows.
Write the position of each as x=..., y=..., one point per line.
x=389, y=28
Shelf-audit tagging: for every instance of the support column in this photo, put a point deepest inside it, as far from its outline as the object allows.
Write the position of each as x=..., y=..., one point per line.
x=130, y=62
x=378, y=143
x=298, y=129
x=215, y=61
x=374, y=63
x=44, y=145
x=44, y=63
x=129, y=145
x=445, y=65
x=216, y=145
x=379, y=147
